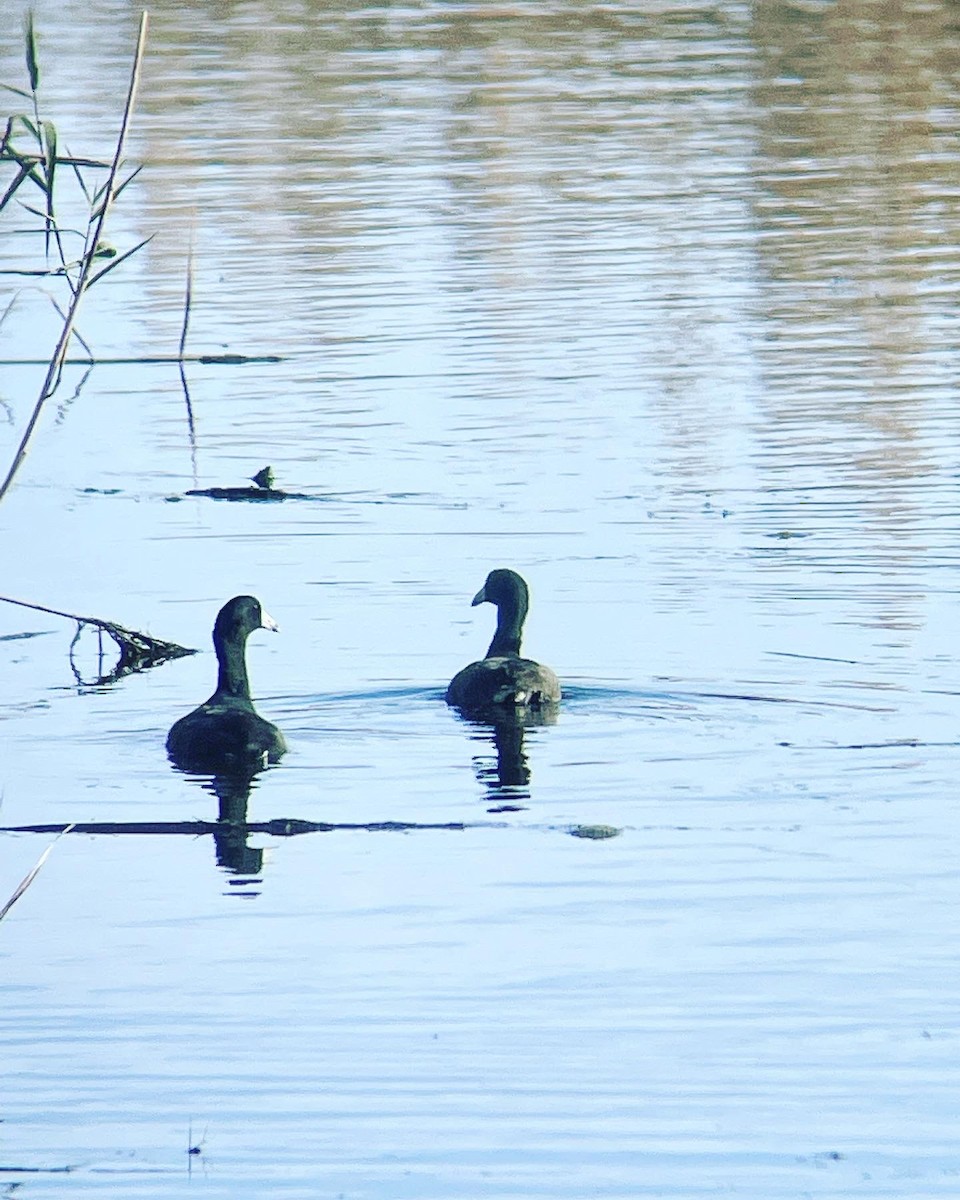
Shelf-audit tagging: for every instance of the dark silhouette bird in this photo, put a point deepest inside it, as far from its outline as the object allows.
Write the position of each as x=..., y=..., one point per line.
x=503, y=680
x=226, y=733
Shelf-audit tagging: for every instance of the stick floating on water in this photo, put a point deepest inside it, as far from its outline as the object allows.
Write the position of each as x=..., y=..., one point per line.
x=137, y=650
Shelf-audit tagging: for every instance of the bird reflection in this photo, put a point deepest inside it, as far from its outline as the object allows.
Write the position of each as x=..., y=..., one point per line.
x=230, y=836
x=231, y=830
x=506, y=773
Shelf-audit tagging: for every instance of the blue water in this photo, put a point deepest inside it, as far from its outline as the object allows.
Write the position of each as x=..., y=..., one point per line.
x=658, y=309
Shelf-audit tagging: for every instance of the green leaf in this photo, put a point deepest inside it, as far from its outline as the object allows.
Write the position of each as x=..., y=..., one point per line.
x=96, y=206
x=82, y=183
x=16, y=123
x=24, y=172
x=129, y=179
x=5, y=87
x=49, y=144
x=50, y=149
x=25, y=160
x=33, y=67
x=118, y=260
x=35, y=212
x=30, y=128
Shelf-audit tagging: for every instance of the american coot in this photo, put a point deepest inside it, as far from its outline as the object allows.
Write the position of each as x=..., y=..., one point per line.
x=503, y=680
x=226, y=733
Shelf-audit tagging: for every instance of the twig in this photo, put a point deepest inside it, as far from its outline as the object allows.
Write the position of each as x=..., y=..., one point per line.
x=32, y=874
x=76, y=333
x=137, y=650
x=6, y=312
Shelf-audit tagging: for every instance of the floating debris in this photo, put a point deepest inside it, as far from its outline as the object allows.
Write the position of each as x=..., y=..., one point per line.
x=138, y=651
x=262, y=491
x=244, y=493
x=234, y=359
x=595, y=832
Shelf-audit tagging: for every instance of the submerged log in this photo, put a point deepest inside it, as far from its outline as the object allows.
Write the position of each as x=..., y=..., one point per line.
x=279, y=827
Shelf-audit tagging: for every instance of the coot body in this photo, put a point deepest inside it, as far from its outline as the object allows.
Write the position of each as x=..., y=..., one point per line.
x=226, y=733
x=503, y=680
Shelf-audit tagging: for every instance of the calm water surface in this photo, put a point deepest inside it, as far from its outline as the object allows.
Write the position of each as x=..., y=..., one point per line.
x=655, y=304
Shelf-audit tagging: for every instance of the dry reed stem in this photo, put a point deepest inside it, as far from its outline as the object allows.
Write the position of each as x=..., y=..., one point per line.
x=187, y=301
x=32, y=874
x=86, y=277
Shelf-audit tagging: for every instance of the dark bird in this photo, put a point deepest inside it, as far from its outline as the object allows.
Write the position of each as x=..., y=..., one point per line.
x=226, y=733
x=503, y=681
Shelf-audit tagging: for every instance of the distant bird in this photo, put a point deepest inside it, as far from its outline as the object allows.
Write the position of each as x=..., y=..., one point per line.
x=503, y=681
x=226, y=734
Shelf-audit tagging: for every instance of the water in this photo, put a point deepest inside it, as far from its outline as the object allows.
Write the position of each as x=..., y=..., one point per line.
x=656, y=307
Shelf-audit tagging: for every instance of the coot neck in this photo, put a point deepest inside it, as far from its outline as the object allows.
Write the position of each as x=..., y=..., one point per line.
x=232, y=677
x=510, y=617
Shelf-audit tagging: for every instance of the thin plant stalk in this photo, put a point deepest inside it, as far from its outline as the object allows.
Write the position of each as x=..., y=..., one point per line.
x=187, y=302
x=86, y=276
x=32, y=874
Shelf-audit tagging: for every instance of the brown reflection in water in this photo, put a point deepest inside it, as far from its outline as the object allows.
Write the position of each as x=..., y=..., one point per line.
x=351, y=125
x=743, y=225
x=857, y=211
x=858, y=187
